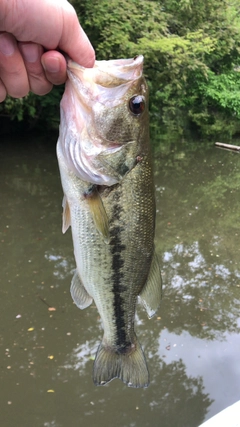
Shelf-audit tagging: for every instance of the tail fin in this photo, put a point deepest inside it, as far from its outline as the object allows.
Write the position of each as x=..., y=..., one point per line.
x=130, y=368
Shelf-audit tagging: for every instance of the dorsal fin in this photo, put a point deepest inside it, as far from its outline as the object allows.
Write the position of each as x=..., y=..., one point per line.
x=151, y=295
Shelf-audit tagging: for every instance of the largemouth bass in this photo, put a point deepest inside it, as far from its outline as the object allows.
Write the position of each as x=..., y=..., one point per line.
x=106, y=172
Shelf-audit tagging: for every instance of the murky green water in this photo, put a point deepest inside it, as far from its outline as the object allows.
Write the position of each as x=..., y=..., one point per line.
x=192, y=345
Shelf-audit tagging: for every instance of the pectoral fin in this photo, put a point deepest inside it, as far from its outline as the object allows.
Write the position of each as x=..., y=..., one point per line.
x=66, y=218
x=79, y=294
x=150, y=297
x=98, y=212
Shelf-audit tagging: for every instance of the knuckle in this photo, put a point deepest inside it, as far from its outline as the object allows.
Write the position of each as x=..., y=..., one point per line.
x=40, y=86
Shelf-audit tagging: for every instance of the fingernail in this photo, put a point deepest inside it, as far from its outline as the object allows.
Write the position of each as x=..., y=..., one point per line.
x=7, y=45
x=52, y=65
x=30, y=52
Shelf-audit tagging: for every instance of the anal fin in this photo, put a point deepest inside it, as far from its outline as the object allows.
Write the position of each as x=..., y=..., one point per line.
x=151, y=294
x=79, y=294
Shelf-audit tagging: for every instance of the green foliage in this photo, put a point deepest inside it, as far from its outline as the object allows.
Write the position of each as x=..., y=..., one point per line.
x=116, y=27
x=191, y=50
x=218, y=109
x=17, y=108
x=33, y=110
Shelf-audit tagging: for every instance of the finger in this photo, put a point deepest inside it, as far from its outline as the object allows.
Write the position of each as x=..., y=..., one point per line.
x=12, y=69
x=53, y=27
x=32, y=53
x=3, y=92
x=55, y=67
x=81, y=50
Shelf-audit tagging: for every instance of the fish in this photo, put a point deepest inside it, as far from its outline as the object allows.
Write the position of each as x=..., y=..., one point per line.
x=106, y=171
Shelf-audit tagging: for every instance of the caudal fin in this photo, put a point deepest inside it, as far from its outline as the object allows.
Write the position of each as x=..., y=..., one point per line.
x=130, y=368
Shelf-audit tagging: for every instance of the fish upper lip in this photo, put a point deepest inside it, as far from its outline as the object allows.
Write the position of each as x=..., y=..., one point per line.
x=121, y=70
x=114, y=75
x=128, y=63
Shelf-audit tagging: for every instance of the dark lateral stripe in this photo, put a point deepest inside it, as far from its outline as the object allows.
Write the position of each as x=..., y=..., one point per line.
x=117, y=250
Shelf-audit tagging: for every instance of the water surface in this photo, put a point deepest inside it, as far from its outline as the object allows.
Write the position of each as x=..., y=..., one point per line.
x=47, y=345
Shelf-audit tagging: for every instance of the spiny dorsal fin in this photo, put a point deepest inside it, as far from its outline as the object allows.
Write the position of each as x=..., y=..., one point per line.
x=79, y=294
x=98, y=212
x=66, y=218
x=150, y=297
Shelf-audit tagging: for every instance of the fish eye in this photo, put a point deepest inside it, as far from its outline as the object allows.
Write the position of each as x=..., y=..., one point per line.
x=137, y=104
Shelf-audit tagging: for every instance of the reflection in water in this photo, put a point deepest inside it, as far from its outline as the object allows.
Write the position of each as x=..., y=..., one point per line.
x=195, y=286
x=175, y=397
x=62, y=266
x=51, y=424
x=47, y=356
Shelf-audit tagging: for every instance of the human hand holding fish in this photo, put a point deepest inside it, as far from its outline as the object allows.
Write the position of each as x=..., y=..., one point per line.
x=31, y=35
x=106, y=170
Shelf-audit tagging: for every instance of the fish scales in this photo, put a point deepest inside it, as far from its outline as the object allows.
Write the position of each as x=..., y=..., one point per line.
x=113, y=232
x=131, y=235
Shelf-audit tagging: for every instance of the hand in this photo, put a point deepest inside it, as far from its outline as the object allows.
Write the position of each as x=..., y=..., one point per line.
x=31, y=32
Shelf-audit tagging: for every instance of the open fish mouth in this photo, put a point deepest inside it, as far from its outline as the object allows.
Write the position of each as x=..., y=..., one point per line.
x=110, y=73
x=97, y=120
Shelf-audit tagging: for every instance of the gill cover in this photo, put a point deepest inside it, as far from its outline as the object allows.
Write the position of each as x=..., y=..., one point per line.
x=92, y=98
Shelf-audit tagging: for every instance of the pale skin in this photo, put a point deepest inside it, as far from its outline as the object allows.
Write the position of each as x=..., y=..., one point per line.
x=32, y=34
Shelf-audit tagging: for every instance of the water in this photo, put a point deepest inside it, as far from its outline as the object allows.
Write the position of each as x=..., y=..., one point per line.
x=47, y=345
